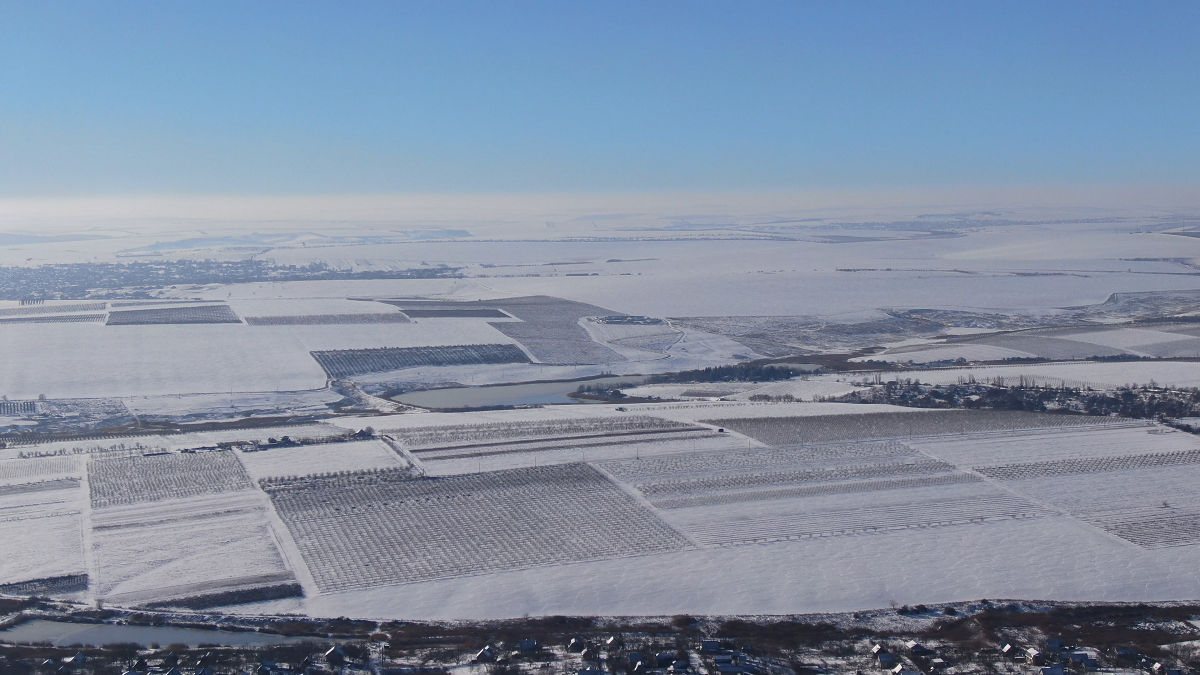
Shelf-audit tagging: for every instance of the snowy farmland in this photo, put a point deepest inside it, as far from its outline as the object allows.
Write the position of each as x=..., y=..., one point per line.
x=699, y=506
x=1152, y=340
x=185, y=549
x=43, y=521
x=304, y=460
x=151, y=350
x=550, y=510
x=385, y=528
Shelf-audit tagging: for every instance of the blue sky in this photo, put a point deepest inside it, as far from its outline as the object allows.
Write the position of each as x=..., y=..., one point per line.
x=262, y=97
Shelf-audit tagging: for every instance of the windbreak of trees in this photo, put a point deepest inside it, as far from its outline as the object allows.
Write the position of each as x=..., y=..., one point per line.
x=1147, y=402
x=742, y=372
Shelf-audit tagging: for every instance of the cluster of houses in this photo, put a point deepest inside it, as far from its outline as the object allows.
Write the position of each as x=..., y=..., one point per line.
x=921, y=659
x=611, y=656
x=732, y=661
x=1060, y=658
x=334, y=660
x=1056, y=657
x=604, y=657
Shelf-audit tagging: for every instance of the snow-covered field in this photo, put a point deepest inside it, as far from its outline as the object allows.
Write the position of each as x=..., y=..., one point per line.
x=184, y=547
x=670, y=508
x=740, y=507
x=1164, y=342
x=320, y=458
x=42, y=530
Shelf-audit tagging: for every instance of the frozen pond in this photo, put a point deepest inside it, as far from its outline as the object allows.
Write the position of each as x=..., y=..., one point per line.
x=64, y=633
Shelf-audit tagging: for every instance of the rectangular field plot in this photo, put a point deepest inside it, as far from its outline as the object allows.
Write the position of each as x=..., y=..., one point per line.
x=1150, y=505
x=1157, y=530
x=40, y=545
x=53, y=308
x=548, y=327
x=452, y=313
x=70, y=318
x=558, y=343
x=1054, y=444
x=795, y=490
x=535, y=453
x=87, y=360
x=365, y=530
x=778, y=431
x=459, y=436
x=773, y=481
x=745, y=476
x=46, y=486
x=704, y=465
x=169, y=315
x=187, y=550
x=145, y=478
x=326, y=319
x=1122, y=338
x=803, y=522
x=1050, y=347
x=1084, y=465
x=347, y=362
x=306, y=460
x=34, y=500
x=40, y=469
x=157, y=303
x=40, y=532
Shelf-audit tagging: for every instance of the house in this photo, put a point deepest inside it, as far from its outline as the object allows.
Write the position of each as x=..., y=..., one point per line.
x=710, y=646
x=1056, y=669
x=904, y=670
x=1033, y=656
x=664, y=659
x=527, y=645
x=917, y=649
x=486, y=655
x=1083, y=659
x=887, y=661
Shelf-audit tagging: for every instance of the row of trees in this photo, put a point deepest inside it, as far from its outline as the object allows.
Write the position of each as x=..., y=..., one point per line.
x=1147, y=402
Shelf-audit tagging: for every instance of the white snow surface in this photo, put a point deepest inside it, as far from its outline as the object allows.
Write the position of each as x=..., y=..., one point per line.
x=1057, y=558
x=320, y=458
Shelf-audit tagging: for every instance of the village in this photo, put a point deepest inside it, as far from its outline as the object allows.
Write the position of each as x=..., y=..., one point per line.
x=985, y=637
